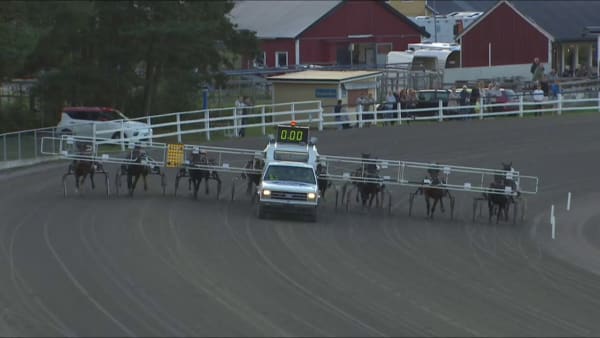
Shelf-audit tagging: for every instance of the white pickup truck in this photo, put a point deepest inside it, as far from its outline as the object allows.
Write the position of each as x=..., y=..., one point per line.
x=289, y=180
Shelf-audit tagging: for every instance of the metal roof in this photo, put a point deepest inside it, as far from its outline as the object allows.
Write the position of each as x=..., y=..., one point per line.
x=279, y=19
x=564, y=20
x=324, y=75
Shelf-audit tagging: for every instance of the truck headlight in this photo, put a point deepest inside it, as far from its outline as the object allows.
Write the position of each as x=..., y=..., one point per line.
x=311, y=196
x=266, y=193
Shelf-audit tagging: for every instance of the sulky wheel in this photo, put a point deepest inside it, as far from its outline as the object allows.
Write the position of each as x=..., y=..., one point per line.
x=118, y=182
x=177, y=178
x=452, y=202
x=107, y=184
x=64, y=183
x=411, y=200
x=163, y=183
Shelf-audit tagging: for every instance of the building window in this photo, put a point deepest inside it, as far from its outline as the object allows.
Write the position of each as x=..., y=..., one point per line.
x=281, y=59
x=261, y=60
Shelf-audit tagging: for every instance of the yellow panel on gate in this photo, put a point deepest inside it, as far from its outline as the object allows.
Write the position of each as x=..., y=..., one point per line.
x=175, y=155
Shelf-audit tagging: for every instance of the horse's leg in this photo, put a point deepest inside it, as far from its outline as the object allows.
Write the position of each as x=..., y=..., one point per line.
x=491, y=209
x=206, y=177
x=92, y=179
x=435, y=202
x=133, y=183
x=76, y=182
x=196, y=183
x=144, y=178
x=427, y=204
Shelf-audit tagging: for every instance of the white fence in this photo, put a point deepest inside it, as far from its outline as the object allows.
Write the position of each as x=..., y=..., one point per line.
x=203, y=125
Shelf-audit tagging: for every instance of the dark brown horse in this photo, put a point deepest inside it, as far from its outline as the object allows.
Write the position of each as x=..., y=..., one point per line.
x=199, y=174
x=432, y=190
x=82, y=168
x=498, y=203
x=252, y=177
x=136, y=169
x=368, y=184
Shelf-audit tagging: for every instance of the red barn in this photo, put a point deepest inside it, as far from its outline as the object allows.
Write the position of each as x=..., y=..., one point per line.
x=325, y=32
x=515, y=32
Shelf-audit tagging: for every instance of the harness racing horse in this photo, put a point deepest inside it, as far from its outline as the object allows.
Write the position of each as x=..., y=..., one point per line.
x=136, y=169
x=498, y=203
x=81, y=168
x=199, y=174
x=251, y=177
x=322, y=182
x=369, y=187
x=433, y=192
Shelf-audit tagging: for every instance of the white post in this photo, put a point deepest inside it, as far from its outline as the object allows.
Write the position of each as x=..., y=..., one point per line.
x=481, y=107
x=520, y=105
x=149, y=122
x=399, y=113
x=553, y=222
x=293, y=111
x=206, y=124
x=236, y=133
x=559, y=104
x=122, y=136
x=360, y=117
x=320, y=115
x=569, y=201
x=263, y=120
x=440, y=110
x=94, y=134
x=178, y=119
x=490, y=54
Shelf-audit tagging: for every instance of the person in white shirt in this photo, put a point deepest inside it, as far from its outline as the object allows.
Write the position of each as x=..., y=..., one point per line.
x=538, y=97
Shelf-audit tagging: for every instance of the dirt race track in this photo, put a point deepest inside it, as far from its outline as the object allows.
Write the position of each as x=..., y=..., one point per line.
x=173, y=266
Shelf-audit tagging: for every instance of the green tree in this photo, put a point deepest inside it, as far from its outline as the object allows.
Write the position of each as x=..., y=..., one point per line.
x=139, y=56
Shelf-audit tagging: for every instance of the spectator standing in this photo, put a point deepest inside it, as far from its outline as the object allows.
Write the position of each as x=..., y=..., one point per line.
x=239, y=110
x=538, y=74
x=368, y=104
x=337, y=109
x=538, y=97
x=534, y=65
x=464, y=99
x=453, y=99
x=359, y=108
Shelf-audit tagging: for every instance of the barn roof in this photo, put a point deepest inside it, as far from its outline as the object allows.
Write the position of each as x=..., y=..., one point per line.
x=290, y=18
x=279, y=19
x=443, y=7
x=563, y=20
x=325, y=75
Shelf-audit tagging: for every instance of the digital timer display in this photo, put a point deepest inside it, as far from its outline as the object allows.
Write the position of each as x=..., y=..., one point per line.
x=288, y=134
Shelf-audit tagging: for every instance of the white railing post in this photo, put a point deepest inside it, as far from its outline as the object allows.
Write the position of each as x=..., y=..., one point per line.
x=481, y=108
x=374, y=112
x=440, y=110
x=207, y=124
x=320, y=115
x=236, y=133
x=149, y=122
x=399, y=113
x=19, y=144
x=263, y=120
x=520, y=105
x=559, y=97
x=178, y=119
x=293, y=111
x=35, y=148
x=360, y=117
x=94, y=133
x=121, y=134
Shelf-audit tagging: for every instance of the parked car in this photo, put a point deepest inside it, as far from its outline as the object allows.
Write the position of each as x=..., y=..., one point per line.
x=429, y=98
x=108, y=122
x=506, y=96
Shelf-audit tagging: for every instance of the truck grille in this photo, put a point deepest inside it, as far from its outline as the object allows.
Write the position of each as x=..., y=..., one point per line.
x=282, y=195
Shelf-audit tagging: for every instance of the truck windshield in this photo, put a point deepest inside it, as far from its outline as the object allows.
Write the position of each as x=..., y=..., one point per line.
x=294, y=174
